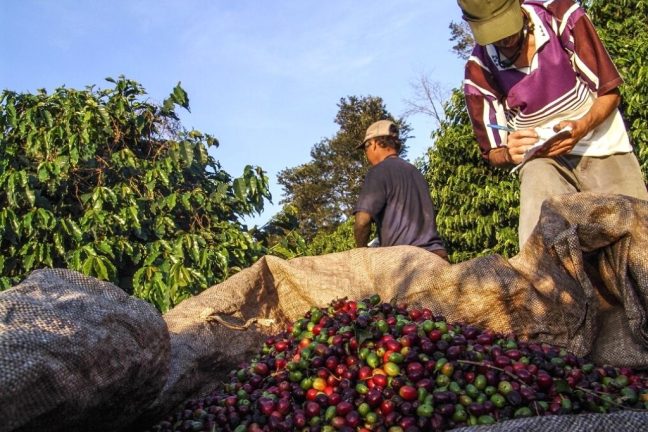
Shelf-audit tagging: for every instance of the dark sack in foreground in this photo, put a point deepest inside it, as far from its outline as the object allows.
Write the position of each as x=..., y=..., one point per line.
x=77, y=354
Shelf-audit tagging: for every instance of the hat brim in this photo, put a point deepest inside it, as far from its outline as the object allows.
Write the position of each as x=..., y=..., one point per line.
x=498, y=27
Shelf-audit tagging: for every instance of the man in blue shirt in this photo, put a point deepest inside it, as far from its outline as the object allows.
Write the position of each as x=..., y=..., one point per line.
x=395, y=196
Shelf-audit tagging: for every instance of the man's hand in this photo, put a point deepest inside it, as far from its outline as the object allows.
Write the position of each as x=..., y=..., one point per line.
x=442, y=253
x=579, y=130
x=362, y=228
x=519, y=142
x=600, y=110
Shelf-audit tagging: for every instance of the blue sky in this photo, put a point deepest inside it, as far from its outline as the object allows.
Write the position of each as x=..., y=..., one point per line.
x=263, y=76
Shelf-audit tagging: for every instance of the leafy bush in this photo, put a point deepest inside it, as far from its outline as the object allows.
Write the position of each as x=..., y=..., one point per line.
x=284, y=239
x=108, y=184
x=626, y=38
x=477, y=205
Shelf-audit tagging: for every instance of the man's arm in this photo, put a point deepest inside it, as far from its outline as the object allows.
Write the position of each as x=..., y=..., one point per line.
x=593, y=65
x=601, y=109
x=362, y=228
x=484, y=107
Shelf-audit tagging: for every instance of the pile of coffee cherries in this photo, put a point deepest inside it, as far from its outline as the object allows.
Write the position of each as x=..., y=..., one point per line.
x=372, y=366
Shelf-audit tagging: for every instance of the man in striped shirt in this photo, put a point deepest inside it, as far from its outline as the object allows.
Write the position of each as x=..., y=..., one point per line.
x=538, y=66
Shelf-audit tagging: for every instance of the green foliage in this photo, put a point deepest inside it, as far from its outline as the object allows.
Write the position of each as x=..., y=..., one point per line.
x=325, y=189
x=340, y=240
x=281, y=234
x=625, y=36
x=477, y=205
x=285, y=240
x=108, y=184
x=462, y=37
x=320, y=195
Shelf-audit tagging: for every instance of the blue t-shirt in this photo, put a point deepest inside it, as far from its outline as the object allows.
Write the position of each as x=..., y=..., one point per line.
x=396, y=196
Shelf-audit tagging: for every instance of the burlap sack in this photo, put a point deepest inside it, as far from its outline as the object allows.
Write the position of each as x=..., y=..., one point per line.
x=545, y=293
x=77, y=354
x=212, y=333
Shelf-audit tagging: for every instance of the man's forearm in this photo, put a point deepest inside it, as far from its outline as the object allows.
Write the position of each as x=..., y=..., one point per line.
x=500, y=157
x=362, y=228
x=601, y=109
x=361, y=233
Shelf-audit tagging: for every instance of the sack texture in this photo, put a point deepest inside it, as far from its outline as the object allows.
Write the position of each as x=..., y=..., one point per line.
x=614, y=422
x=77, y=354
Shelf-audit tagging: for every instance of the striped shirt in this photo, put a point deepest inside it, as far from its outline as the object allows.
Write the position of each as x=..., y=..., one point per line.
x=569, y=69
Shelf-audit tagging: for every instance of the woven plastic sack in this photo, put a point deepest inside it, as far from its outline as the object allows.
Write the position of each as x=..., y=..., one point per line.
x=614, y=422
x=77, y=354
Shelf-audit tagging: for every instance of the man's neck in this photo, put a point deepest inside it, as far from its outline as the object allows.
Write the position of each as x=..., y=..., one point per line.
x=388, y=155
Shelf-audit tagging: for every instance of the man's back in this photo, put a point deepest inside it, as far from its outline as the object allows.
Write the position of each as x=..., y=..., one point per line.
x=396, y=195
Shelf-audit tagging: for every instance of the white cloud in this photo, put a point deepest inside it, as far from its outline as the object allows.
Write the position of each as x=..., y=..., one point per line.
x=294, y=40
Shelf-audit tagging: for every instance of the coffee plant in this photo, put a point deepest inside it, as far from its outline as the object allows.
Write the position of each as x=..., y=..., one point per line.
x=477, y=205
x=289, y=243
x=372, y=366
x=626, y=38
x=108, y=183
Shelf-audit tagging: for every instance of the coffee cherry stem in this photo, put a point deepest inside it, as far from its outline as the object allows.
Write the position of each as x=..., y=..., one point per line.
x=511, y=375
x=598, y=396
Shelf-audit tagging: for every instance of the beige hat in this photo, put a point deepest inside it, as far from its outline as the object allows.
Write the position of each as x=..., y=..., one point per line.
x=492, y=20
x=378, y=129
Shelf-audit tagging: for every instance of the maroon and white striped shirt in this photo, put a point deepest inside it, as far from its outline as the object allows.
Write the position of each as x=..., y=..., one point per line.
x=569, y=69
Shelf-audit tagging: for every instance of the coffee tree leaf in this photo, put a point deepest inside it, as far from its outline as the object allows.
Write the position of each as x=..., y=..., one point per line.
x=108, y=169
